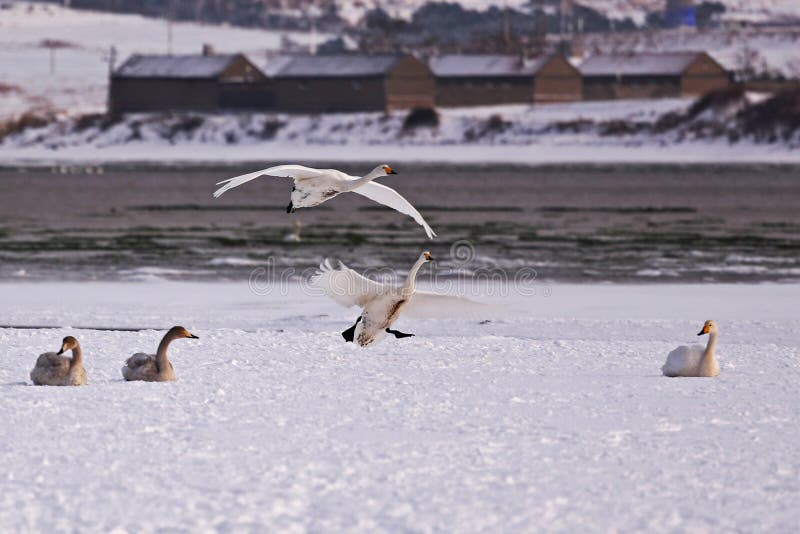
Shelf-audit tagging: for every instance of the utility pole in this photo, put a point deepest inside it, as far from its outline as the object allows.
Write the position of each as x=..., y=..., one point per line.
x=507, y=27
x=313, y=35
x=169, y=27
x=112, y=59
x=169, y=37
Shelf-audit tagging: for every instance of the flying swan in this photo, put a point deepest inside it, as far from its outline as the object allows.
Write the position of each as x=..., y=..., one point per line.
x=53, y=369
x=155, y=367
x=695, y=360
x=382, y=303
x=312, y=187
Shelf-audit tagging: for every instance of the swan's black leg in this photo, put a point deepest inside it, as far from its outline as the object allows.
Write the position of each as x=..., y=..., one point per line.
x=350, y=332
x=290, y=208
x=398, y=334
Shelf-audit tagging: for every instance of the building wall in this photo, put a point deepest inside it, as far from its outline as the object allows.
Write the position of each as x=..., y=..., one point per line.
x=631, y=87
x=410, y=84
x=480, y=91
x=240, y=86
x=638, y=87
x=599, y=88
x=326, y=95
x=154, y=94
x=558, y=81
x=247, y=96
x=702, y=76
x=772, y=86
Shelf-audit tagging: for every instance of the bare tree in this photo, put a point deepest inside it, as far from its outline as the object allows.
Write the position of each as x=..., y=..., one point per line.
x=749, y=64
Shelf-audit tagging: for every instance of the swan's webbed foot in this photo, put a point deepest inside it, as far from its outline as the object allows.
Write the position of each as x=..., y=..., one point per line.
x=397, y=333
x=290, y=208
x=350, y=333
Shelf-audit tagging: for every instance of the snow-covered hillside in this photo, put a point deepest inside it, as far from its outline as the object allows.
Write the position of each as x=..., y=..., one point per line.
x=778, y=51
x=621, y=131
x=554, y=419
x=76, y=79
x=636, y=10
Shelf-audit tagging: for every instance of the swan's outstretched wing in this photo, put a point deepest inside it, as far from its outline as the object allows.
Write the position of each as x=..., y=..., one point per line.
x=426, y=304
x=297, y=172
x=346, y=286
x=389, y=197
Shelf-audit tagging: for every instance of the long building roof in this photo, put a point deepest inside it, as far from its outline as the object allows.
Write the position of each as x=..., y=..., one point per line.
x=483, y=65
x=178, y=66
x=645, y=64
x=331, y=66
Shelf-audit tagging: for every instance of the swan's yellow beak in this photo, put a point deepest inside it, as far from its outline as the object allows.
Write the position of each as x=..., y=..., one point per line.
x=428, y=256
x=389, y=170
x=705, y=330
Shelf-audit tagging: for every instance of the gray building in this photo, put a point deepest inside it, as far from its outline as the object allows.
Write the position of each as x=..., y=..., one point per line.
x=188, y=82
x=486, y=80
x=651, y=75
x=340, y=83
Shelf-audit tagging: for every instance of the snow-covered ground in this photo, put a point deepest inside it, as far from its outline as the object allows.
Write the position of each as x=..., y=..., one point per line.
x=545, y=152
x=551, y=418
x=79, y=79
x=553, y=133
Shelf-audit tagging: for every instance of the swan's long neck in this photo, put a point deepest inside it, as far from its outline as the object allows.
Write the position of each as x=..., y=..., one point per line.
x=708, y=355
x=358, y=182
x=77, y=356
x=410, y=284
x=162, y=362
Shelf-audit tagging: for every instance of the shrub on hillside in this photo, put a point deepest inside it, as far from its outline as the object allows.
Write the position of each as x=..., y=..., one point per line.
x=718, y=100
x=29, y=119
x=775, y=118
x=421, y=118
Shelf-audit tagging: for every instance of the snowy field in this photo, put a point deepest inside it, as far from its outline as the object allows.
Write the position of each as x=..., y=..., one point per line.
x=78, y=81
x=544, y=151
x=530, y=135
x=553, y=417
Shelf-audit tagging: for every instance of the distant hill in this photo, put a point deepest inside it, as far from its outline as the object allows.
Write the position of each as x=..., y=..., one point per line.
x=334, y=14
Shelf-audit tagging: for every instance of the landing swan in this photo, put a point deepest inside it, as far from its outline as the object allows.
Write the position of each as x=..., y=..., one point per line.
x=695, y=360
x=312, y=187
x=53, y=369
x=155, y=367
x=382, y=303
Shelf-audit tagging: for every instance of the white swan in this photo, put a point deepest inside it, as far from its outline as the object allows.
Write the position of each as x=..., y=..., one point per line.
x=312, y=187
x=155, y=367
x=382, y=303
x=695, y=360
x=53, y=369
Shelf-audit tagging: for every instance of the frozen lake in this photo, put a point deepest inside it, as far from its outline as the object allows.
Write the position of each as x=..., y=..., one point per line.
x=619, y=223
x=553, y=417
